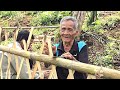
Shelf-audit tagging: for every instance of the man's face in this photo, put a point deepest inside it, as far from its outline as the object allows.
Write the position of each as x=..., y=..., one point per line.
x=67, y=31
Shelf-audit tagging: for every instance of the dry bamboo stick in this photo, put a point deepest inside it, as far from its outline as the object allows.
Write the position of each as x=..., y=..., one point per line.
x=66, y=63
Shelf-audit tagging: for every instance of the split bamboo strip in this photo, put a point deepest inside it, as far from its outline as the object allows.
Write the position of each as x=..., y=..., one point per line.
x=66, y=63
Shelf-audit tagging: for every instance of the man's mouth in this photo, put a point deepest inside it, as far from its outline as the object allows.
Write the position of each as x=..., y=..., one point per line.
x=66, y=36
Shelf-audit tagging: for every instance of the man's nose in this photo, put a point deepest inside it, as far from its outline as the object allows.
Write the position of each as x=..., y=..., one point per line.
x=66, y=32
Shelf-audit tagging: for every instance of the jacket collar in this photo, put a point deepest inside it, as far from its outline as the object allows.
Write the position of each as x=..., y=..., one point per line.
x=74, y=46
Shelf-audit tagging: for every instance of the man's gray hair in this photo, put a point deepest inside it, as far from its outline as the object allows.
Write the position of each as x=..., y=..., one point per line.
x=67, y=18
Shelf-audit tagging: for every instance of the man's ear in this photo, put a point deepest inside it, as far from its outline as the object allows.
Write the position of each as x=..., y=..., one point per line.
x=77, y=33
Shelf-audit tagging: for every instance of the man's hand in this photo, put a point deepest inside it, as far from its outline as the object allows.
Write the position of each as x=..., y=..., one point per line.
x=68, y=55
x=46, y=50
x=46, y=73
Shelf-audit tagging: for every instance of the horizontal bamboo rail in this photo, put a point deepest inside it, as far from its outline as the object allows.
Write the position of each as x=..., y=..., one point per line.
x=66, y=63
x=30, y=27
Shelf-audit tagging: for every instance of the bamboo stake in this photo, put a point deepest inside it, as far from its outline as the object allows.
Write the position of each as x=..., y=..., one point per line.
x=1, y=64
x=28, y=43
x=6, y=35
x=37, y=65
x=8, y=67
x=53, y=74
x=71, y=74
x=0, y=33
x=29, y=72
x=66, y=63
x=18, y=73
x=14, y=46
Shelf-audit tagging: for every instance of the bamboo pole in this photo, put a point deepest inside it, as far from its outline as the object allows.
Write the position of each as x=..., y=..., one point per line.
x=66, y=63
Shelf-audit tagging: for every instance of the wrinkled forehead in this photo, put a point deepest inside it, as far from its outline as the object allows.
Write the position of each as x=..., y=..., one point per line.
x=67, y=23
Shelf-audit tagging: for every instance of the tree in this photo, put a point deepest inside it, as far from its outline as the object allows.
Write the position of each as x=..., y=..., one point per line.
x=92, y=18
x=80, y=16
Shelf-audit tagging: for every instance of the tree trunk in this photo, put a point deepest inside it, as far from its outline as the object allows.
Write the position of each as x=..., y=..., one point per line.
x=93, y=17
x=66, y=63
x=80, y=16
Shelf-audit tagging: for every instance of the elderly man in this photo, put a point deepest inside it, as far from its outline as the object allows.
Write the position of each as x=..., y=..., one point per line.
x=69, y=48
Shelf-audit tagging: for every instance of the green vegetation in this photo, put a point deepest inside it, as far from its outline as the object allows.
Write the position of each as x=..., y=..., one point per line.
x=104, y=30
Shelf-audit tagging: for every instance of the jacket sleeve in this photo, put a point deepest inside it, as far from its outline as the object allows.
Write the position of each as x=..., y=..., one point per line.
x=83, y=55
x=24, y=70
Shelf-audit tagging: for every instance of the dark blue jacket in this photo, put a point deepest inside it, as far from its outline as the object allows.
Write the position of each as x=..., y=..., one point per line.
x=82, y=56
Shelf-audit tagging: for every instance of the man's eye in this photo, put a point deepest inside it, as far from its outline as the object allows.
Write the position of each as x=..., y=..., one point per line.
x=70, y=29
